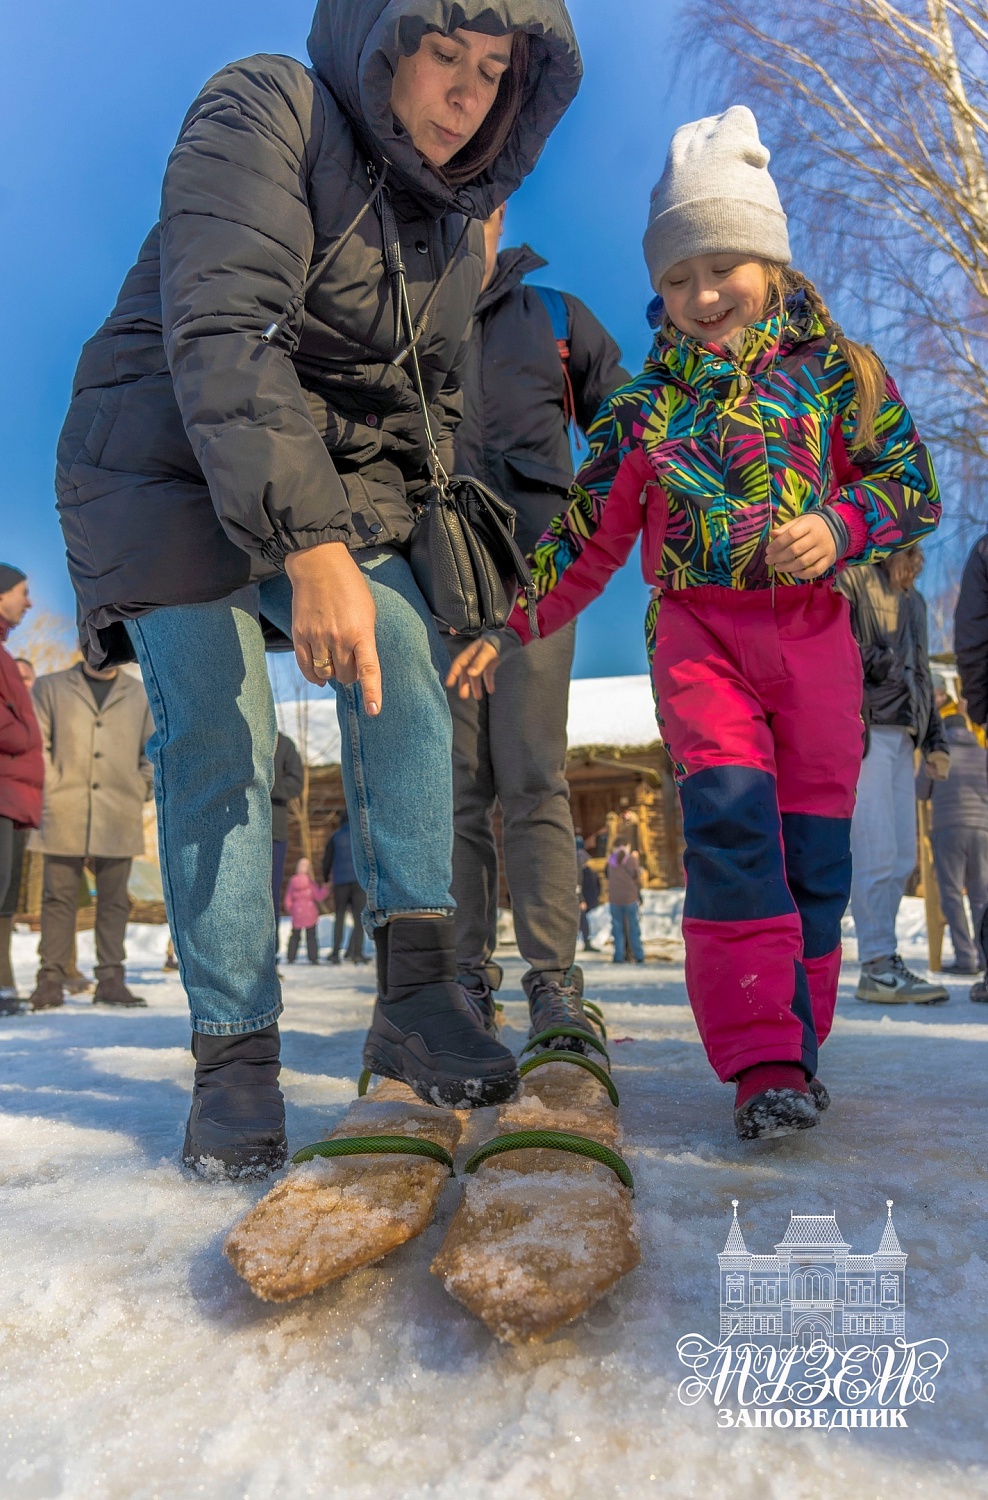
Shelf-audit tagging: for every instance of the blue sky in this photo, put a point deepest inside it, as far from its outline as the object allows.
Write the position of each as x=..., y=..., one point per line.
x=92, y=100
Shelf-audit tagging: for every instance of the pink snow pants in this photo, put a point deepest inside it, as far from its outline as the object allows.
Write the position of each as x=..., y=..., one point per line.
x=760, y=710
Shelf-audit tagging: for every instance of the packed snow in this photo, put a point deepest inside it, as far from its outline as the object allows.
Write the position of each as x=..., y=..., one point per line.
x=136, y=1366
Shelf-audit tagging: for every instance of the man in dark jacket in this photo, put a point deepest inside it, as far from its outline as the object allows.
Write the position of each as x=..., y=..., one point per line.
x=960, y=834
x=971, y=633
x=245, y=443
x=289, y=777
x=520, y=391
x=348, y=894
x=888, y=618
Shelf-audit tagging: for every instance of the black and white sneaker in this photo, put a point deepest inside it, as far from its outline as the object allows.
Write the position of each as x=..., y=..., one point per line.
x=887, y=981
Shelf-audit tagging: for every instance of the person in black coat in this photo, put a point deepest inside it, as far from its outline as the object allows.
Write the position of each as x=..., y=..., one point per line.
x=971, y=633
x=339, y=868
x=524, y=382
x=243, y=455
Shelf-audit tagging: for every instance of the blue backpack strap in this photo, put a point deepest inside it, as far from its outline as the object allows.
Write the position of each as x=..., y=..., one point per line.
x=555, y=306
x=557, y=310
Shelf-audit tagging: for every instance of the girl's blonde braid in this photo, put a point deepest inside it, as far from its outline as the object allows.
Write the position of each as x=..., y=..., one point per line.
x=865, y=366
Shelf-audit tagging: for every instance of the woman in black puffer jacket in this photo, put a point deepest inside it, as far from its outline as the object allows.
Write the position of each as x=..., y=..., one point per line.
x=242, y=457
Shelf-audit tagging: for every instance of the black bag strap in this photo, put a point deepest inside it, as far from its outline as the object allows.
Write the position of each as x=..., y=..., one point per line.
x=314, y=273
x=395, y=267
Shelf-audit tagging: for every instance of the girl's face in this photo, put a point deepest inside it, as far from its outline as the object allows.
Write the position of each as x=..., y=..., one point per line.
x=303, y=867
x=712, y=297
x=443, y=93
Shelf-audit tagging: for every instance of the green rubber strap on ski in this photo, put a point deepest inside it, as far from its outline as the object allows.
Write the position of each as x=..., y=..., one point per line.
x=596, y=1016
x=578, y=1061
x=554, y=1140
x=575, y=1031
x=363, y=1082
x=376, y=1145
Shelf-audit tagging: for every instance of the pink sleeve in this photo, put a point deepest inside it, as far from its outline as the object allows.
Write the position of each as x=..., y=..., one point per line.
x=603, y=552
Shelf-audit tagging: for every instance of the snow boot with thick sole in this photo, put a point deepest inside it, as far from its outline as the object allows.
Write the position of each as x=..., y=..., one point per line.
x=424, y=1032
x=774, y=1099
x=237, y=1121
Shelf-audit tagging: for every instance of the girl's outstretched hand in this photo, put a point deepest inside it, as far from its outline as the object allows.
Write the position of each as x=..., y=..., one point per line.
x=474, y=668
x=804, y=548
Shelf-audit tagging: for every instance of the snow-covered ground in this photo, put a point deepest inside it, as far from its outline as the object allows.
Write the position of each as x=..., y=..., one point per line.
x=135, y=1365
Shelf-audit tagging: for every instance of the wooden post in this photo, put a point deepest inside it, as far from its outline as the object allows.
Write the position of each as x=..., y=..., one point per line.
x=931, y=892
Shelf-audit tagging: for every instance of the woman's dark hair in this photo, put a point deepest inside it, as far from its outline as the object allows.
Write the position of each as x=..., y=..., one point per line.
x=486, y=146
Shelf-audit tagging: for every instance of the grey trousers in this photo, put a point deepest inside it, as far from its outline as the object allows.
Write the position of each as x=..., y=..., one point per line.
x=59, y=901
x=960, y=857
x=511, y=748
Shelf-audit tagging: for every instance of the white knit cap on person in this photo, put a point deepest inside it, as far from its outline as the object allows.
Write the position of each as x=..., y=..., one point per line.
x=715, y=194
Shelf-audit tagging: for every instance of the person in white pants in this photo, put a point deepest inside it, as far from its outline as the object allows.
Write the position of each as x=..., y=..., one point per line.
x=888, y=617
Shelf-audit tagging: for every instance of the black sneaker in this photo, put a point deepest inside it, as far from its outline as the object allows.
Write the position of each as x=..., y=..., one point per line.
x=554, y=1004
x=979, y=991
x=423, y=1031
x=236, y=1125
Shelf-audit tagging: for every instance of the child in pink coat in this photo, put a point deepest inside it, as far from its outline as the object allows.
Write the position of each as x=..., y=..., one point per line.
x=301, y=902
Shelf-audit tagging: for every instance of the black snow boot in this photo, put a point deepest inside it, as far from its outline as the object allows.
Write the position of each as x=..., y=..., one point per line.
x=424, y=1032
x=237, y=1120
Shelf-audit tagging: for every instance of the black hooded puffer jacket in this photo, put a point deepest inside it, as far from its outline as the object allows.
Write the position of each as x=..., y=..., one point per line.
x=195, y=456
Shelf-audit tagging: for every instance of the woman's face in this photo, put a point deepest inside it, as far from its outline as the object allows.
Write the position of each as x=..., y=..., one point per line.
x=712, y=297
x=443, y=93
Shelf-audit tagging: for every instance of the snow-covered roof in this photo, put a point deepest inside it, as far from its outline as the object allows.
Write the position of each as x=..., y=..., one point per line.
x=602, y=711
x=814, y=1229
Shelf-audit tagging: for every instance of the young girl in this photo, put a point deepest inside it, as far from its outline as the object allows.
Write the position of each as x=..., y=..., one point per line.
x=759, y=451
x=301, y=902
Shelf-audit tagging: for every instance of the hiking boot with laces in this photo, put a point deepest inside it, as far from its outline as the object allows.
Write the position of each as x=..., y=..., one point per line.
x=887, y=981
x=554, y=1003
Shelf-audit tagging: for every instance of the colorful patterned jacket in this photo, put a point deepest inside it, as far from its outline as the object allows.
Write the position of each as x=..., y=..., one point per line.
x=704, y=453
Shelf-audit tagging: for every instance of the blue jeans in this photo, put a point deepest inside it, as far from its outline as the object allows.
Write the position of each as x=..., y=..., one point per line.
x=619, y=916
x=213, y=755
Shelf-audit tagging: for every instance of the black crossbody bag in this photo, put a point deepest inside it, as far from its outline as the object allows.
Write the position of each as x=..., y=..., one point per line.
x=462, y=550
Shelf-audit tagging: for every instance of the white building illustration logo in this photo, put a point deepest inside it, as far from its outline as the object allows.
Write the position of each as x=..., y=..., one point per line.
x=813, y=1335
x=813, y=1290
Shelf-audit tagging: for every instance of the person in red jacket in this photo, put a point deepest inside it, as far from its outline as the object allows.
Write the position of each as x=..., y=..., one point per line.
x=22, y=772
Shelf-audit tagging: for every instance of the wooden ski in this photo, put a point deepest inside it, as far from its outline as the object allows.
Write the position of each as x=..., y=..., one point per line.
x=334, y=1213
x=543, y=1230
